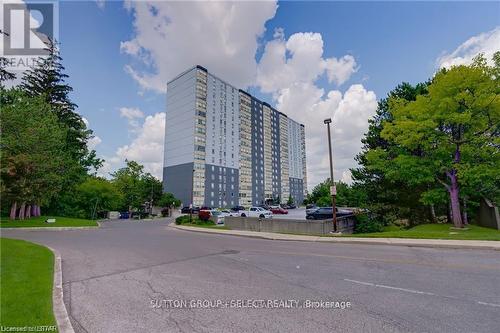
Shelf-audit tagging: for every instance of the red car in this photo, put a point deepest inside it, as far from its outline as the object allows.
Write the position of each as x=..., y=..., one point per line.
x=278, y=210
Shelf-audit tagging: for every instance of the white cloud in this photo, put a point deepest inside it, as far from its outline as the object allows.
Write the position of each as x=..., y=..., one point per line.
x=172, y=36
x=289, y=70
x=100, y=4
x=147, y=147
x=340, y=70
x=299, y=60
x=486, y=43
x=93, y=142
x=132, y=115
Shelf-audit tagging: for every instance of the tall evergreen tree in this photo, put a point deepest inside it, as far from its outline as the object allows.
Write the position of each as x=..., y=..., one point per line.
x=47, y=79
x=5, y=75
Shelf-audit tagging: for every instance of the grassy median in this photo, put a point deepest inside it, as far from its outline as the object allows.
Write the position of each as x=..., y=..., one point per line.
x=26, y=284
x=39, y=221
x=436, y=231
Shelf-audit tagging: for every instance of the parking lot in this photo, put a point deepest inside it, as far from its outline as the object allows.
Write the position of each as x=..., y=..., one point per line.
x=296, y=214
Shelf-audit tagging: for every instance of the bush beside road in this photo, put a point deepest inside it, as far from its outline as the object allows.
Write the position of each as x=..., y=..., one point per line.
x=26, y=282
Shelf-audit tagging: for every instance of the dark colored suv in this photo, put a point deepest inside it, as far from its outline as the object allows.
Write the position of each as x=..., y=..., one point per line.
x=237, y=208
x=323, y=213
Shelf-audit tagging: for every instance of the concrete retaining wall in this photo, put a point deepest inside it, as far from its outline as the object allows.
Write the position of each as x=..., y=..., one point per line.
x=306, y=227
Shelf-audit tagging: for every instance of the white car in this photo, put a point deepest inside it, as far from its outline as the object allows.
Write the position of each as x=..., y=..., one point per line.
x=256, y=212
x=220, y=215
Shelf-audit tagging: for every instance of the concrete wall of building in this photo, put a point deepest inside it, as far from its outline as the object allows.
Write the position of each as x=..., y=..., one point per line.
x=257, y=152
x=276, y=154
x=284, y=163
x=179, y=119
x=221, y=187
x=204, y=127
x=297, y=190
x=178, y=180
x=345, y=224
x=294, y=149
x=223, y=130
x=245, y=169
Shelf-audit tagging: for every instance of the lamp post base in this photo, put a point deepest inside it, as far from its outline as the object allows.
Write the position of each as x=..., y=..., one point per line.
x=336, y=233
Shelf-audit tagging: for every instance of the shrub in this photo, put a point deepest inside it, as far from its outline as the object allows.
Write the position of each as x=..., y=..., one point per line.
x=182, y=219
x=366, y=224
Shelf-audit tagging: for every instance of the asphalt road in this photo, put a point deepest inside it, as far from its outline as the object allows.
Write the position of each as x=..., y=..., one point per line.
x=111, y=276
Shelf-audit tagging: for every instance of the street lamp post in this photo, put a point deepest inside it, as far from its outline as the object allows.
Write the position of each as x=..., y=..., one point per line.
x=332, y=188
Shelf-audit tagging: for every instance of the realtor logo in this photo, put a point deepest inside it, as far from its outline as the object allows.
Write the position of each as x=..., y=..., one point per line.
x=26, y=29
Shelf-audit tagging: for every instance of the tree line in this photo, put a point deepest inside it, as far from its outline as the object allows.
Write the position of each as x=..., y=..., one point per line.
x=431, y=150
x=45, y=157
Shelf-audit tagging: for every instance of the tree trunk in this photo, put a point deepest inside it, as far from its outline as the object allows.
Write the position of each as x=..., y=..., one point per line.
x=13, y=210
x=27, y=213
x=38, y=210
x=22, y=211
x=33, y=210
x=433, y=213
x=465, y=218
x=455, y=201
x=448, y=213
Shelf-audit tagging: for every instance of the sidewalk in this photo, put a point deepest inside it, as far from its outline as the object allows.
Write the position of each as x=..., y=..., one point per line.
x=436, y=243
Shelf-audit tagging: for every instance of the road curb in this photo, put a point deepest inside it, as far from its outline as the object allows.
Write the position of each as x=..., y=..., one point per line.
x=432, y=243
x=55, y=228
x=58, y=306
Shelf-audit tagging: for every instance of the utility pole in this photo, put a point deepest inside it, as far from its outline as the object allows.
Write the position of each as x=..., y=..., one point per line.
x=333, y=190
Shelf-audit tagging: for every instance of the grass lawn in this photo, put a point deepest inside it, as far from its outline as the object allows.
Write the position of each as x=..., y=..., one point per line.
x=40, y=222
x=436, y=231
x=26, y=283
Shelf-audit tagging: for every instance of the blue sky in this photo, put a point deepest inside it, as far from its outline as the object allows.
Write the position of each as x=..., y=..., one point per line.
x=390, y=42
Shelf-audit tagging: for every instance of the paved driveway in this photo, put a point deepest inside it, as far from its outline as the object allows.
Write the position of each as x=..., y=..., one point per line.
x=111, y=276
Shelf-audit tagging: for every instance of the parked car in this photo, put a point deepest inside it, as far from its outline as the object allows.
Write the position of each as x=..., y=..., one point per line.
x=187, y=210
x=204, y=214
x=291, y=206
x=124, y=215
x=237, y=208
x=266, y=207
x=139, y=215
x=311, y=208
x=256, y=212
x=278, y=210
x=221, y=215
x=323, y=213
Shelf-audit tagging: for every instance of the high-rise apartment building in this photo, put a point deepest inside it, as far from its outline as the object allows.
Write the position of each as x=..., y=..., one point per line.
x=224, y=147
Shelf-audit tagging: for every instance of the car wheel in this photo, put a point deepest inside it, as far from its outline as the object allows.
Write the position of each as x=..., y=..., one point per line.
x=243, y=215
x=262, y=216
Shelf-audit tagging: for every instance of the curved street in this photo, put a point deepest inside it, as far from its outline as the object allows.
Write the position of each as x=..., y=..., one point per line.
x=113, y=276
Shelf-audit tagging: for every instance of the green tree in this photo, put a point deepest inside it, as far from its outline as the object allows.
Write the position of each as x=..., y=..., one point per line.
x=128, y=181
x=351, y=196
x=96, y=194
x=151, y=188
x=449, y=136
x=32, y=152
x=5, y=75
x=47, y=79
x=385, y=196
x=168, y=199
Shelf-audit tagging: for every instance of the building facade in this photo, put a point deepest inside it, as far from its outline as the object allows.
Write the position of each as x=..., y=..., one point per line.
x=224, y=147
